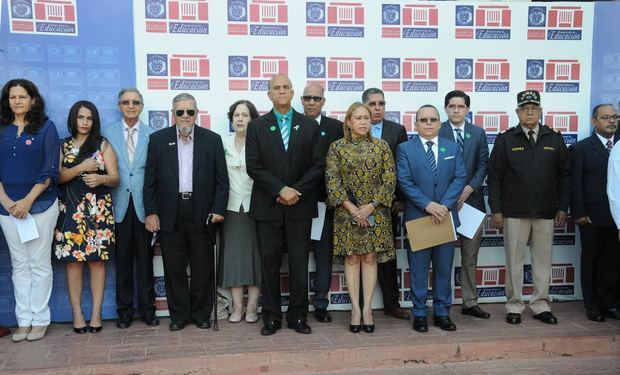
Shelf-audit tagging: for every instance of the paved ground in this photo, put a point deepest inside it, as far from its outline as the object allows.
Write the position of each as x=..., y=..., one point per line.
x=575, y=345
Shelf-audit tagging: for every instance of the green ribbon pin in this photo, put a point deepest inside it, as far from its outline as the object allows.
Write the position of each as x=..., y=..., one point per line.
x=272, y=128
x=467, y=135
x=442, y=149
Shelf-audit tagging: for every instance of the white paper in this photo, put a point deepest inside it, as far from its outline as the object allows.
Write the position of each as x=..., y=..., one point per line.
x=470, y=219
x=317, y=222
x=26, y=228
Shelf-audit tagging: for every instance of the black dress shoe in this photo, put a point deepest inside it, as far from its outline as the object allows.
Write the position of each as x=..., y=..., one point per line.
x=177, y=326
x=355, y=328
x=476, y=311
x=150, y=320
x=300, y=326
x=93, y=329
x=270, y=328
x=398, y=313
x=124, y=322
x=546, y=317
x=595, y=316
x=322, y=316
x=368, y=328
x=613, y=313
x=444, y=323
x=513, y=318
x=203, y=325
x=80, y=330
x=420, y=324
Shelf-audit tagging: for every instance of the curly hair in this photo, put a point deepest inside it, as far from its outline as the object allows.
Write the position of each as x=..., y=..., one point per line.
x=35, y=117
x=251, y=108
x=90, y=144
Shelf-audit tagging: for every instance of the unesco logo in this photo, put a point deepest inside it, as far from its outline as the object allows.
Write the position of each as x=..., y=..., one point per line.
x=155, y=9
x=157, y=65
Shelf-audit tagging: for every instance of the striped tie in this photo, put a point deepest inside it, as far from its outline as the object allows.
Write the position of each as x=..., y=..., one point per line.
x=610, y=145
x=431, y=158
x=131, y=148
x=459, y=138
x=285, y=131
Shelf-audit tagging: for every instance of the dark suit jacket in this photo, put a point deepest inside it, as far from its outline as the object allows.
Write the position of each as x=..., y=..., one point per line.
x=589, y=181
x=394, y=134
x=272, y=167
x=161, y=181
x=418, y=184
x=476, y=157
x=330, y=130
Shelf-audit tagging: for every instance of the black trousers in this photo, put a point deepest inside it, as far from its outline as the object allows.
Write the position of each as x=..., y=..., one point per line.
x=387, y=275
x=600, y=261
x=273, y=238
x=187, y=244
x=323, y=251
x=133, y=247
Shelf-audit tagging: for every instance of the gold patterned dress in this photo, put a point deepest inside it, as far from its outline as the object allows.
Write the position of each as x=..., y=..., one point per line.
x=85, y=228
x=364, y=170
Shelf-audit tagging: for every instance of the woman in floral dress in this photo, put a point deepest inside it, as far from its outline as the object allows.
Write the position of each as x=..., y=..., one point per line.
x=85, y=229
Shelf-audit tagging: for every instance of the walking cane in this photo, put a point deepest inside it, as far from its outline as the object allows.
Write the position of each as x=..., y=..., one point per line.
x=214, y=233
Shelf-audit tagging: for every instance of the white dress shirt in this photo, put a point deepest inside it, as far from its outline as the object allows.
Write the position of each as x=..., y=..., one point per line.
x=613, y=184
x=604, y=140
x=435, y=147
x=239, y=181
x=462, y=127
x=135, y=133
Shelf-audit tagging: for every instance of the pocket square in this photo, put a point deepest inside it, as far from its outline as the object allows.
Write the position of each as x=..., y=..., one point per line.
x=448, y=157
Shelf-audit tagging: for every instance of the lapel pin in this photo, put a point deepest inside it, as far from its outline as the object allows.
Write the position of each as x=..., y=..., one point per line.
x=272, y=128
x=467, y=135
x=296, y=127
x=442, y=149
x=323, y=134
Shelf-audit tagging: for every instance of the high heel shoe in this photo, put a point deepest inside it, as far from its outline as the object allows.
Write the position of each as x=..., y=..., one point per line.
x=92, y=329
x=368, y=328
x=80, y=330
x=355, y=328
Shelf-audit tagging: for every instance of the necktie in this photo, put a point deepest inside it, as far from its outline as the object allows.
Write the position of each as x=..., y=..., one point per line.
x=459, y=138
x=131, y=148
x=610, y=145
x=531, y=138
x=285, y=131
x=431, y=158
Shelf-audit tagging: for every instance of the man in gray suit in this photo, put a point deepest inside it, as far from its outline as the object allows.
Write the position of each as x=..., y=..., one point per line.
x=130, y=138
x=472, y=141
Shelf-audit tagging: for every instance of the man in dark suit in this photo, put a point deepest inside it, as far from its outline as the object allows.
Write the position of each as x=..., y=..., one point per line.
x=185, y=186
x=432, y=175
x=284, y=159
x=472, y=142
x=394, y=134
x=313, y=100
x=600, y=249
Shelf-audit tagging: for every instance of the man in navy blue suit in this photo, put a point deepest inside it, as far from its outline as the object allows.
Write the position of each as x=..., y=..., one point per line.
x=472, y=141
x=432, y=175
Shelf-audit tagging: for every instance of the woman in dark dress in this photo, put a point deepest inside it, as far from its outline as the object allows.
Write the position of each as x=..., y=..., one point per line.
x=85, y=229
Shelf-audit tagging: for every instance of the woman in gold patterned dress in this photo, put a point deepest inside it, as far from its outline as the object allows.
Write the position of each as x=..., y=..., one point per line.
x=85, y=229
x=360, y=180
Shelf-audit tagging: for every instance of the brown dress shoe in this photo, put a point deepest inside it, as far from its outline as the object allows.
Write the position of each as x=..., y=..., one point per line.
x=398, y=313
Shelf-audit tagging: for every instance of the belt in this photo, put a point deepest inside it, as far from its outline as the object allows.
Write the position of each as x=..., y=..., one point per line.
x=185, y=196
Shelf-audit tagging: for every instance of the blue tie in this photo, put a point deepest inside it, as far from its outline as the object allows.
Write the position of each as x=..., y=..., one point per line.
x=285, y=131
x=431, y=158
x=459, y=138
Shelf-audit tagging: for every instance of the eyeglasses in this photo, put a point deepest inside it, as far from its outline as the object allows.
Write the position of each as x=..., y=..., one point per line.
x=127, y=102
x=431, y=120
x=378, y=103
x=308, y=98
x=181, y=112
x=608, y=117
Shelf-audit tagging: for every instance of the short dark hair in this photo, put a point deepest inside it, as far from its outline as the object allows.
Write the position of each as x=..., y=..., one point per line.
x=456, y=94
x=371, y=91
x=423, y=107
x=595, y=109
x=251, y=107
x=90, y=144
x=35, y=117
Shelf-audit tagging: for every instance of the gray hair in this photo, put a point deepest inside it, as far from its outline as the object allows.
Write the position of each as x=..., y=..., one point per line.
x=426, y=106
x=184, y=96
x=125, y=90
x=371, y=91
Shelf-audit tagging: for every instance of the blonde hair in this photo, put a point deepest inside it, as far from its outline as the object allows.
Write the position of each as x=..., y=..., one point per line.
x=347, y=118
